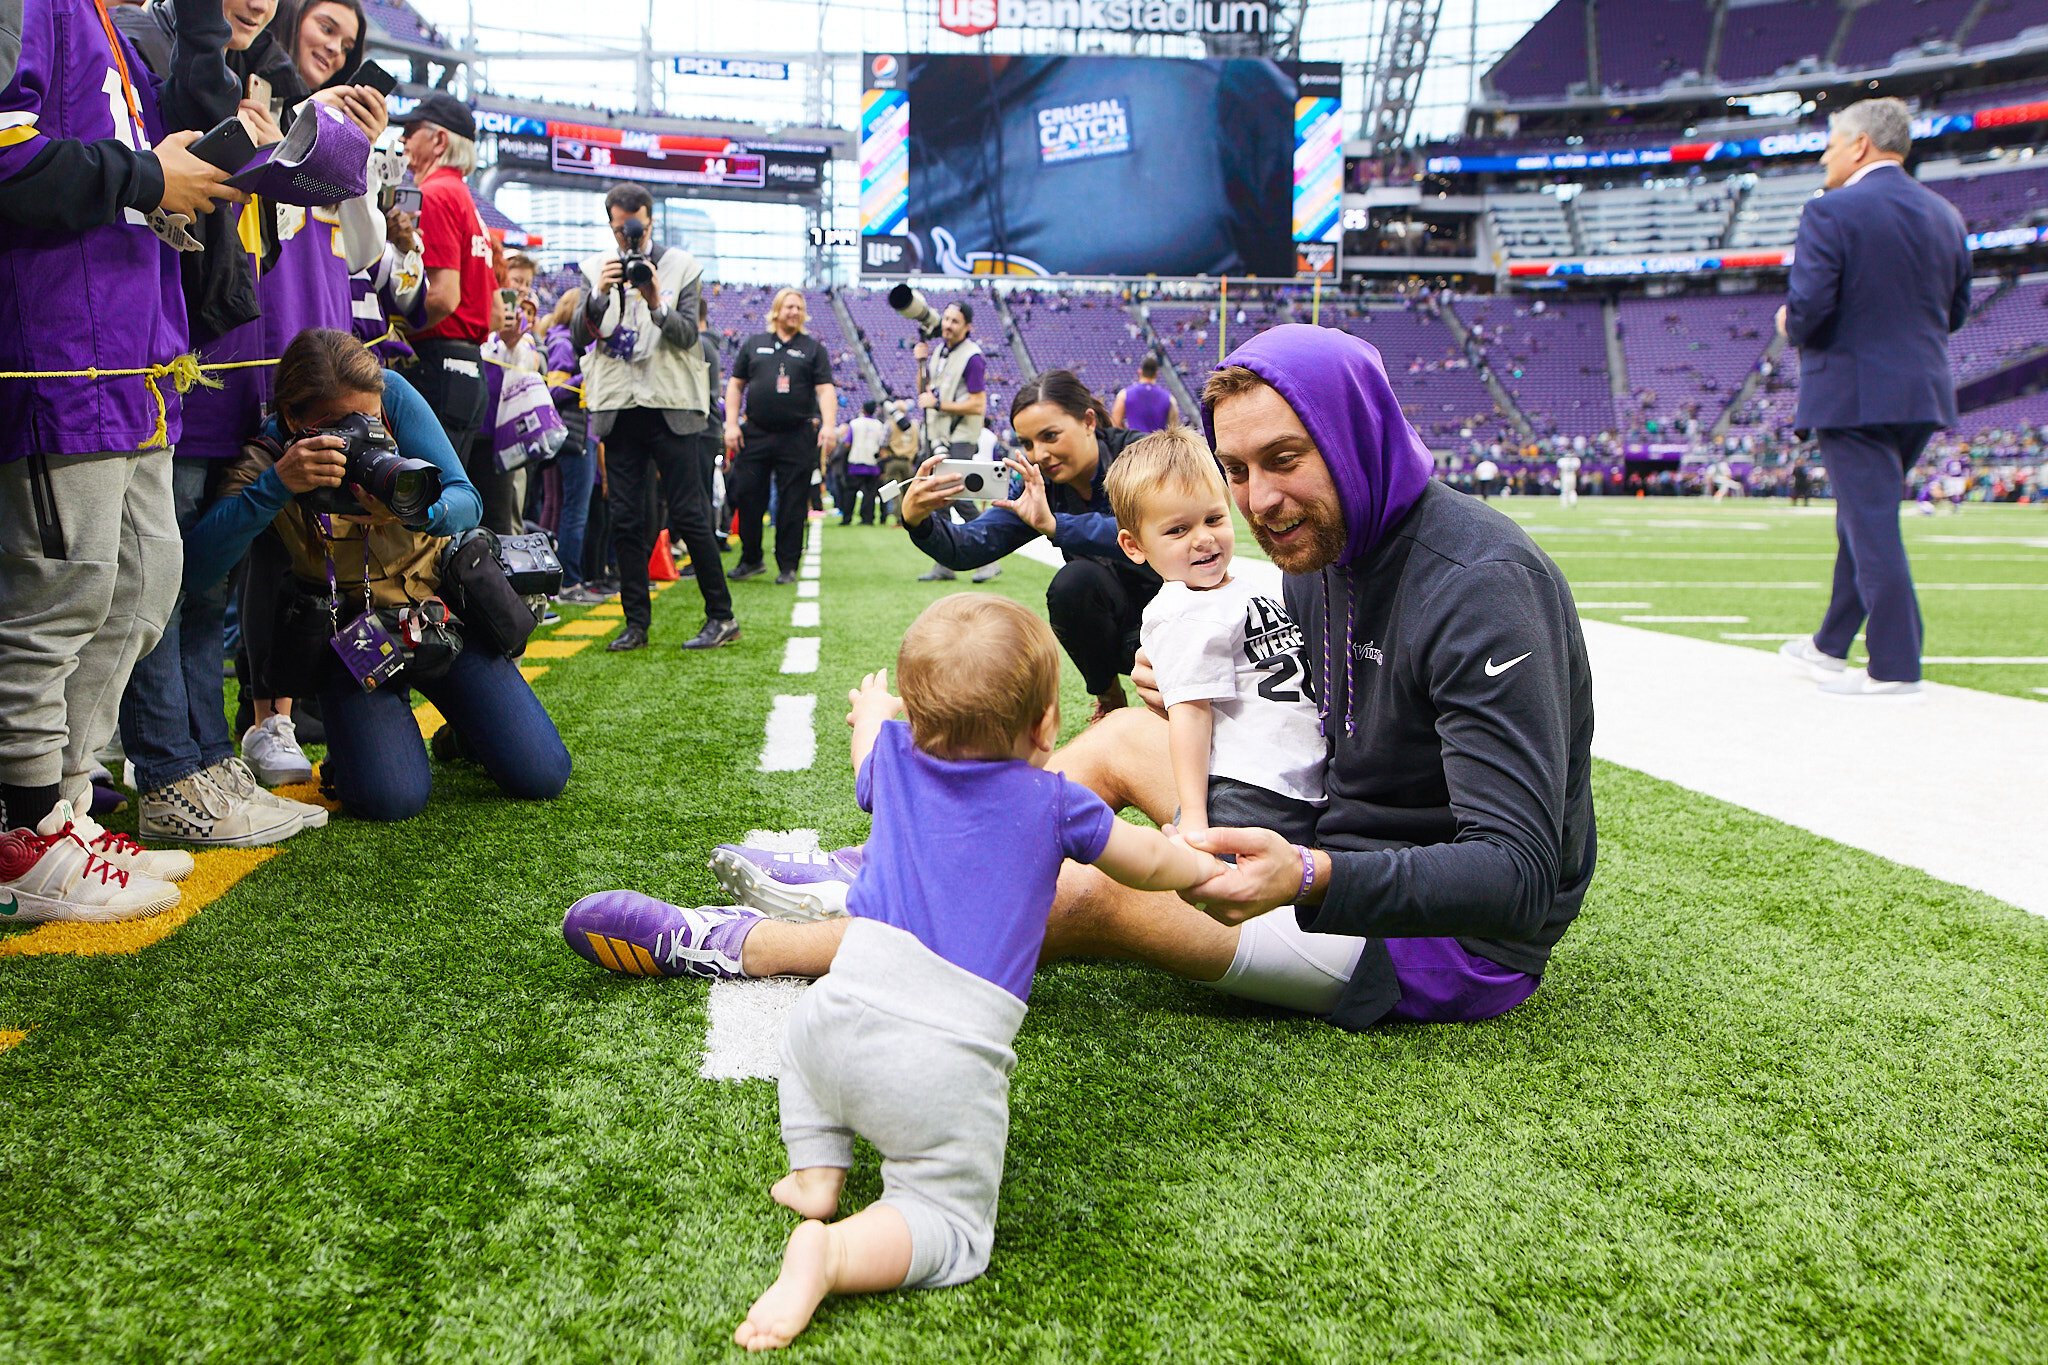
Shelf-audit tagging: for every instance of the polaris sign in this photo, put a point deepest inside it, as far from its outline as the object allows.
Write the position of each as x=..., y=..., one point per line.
x=968, y=18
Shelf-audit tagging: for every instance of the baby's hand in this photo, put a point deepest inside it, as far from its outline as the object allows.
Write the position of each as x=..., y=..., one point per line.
x=871, y=700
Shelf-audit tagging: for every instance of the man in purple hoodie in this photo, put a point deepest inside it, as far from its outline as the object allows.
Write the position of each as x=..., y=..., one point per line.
x=1452, y=682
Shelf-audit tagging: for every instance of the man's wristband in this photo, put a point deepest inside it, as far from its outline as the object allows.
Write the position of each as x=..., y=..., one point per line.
x=1308, y=871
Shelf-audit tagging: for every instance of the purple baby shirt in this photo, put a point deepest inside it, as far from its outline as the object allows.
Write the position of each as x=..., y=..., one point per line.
x=965, y=854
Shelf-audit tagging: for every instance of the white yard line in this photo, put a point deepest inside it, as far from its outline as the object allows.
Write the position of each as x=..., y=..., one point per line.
x=792, y=742
x=1984, y=659
x=800, y=654
x=1627, y=586
x=808, y=569
x=1766, y=635
x=807, y=588
x=1887, y=777
x=1688, y=620
x=1614, y=606
x=1042, y=551
x=747, y=1018
x=804, y=616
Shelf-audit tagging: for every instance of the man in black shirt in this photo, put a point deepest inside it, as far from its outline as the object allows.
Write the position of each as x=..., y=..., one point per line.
x=790, y=428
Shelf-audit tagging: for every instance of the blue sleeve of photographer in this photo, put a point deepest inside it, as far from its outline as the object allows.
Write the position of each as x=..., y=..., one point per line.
x=420, y=437
x=969, y=545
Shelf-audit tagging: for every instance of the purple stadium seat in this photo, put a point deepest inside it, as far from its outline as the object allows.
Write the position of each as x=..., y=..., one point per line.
x=1553, y=362
x=1996, y=198
x=2003, y=20
x=1884, y=27
x=1550, y=58
x=1644, y=43
x=2015, y=326
x=1761, y=39
x=1688, y=356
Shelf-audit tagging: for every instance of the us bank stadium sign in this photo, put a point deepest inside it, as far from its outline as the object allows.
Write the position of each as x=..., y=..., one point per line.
x=969, y=18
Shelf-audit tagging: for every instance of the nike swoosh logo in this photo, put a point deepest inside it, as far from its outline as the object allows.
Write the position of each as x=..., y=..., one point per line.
x=1494, y=670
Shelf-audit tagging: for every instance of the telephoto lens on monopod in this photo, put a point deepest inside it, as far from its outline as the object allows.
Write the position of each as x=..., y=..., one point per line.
x=915, y=306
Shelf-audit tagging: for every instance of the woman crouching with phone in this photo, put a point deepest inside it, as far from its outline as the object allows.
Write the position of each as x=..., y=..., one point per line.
x=360, y=621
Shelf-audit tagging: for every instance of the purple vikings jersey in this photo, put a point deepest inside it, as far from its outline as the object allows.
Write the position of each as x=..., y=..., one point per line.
x=308, y=287
x=107, y=297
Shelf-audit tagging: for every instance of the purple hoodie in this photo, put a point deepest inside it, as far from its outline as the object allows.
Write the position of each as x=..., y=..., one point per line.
x=1338, y=388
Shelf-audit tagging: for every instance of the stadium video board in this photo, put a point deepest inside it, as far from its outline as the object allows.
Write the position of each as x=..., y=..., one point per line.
x=665, y=158
x=1047, y=165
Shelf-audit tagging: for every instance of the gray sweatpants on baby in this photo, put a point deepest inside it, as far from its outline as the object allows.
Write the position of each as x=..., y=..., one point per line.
x=901, y=1047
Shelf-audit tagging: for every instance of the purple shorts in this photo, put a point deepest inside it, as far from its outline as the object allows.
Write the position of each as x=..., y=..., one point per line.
x=1441, y=983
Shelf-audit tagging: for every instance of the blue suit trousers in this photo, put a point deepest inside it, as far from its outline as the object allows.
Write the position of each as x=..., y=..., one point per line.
x=1867, y=470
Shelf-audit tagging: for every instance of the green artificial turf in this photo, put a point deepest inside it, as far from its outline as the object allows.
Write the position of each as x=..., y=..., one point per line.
x=1983, y=573
x=1776, y=1100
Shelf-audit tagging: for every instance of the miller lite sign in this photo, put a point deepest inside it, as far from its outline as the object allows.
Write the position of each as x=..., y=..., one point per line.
x=967, y=17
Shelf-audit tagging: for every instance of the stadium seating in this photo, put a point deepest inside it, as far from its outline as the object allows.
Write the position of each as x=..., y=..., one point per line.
x=1769, y=213
x=1532, y=226
x=1091, y=335
x=1439, y=390
x=2013, y=325
x=1187, y=332
x=1550, y=356
x=1642, y=221
x=889, y=338
x=1550, y=58
x=1883, y=29
x=1997, y=197
x=399, y=22
x=1687, y=357
x=1760, y=40
x=1644, y=44
x=2014, y=414
x=2004, y=20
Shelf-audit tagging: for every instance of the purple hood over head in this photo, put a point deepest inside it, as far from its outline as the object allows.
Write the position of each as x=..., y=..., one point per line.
x=1338, y=388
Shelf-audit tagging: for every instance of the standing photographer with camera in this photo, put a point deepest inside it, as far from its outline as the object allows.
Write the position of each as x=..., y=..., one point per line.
x=784, y=376
x=649, y=392
x=360, y=483
x=953, y=383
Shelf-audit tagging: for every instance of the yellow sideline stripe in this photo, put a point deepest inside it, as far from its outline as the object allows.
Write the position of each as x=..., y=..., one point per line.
x=590, y=625
x=217, y=871
x=555, y=649
x=530, y=672
x=607, y=611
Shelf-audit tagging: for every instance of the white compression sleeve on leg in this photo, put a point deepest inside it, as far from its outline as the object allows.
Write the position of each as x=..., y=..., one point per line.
x=1278, y=964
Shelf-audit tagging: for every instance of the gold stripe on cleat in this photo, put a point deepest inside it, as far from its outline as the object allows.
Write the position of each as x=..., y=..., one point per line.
x=646, y=960
x=603, y=950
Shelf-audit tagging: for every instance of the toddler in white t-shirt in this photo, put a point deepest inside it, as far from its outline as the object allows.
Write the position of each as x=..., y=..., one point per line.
x=1240, y=712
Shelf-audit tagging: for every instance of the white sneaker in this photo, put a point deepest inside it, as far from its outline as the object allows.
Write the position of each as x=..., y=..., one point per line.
x=233, y=776
x=273, y=754
x=59, y=877
x=166, y=865
x=1857, y=683
x=1805, y=657
x=198, y=810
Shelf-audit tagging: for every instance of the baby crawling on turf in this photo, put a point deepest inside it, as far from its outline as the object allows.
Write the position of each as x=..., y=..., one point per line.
x=906, y=1042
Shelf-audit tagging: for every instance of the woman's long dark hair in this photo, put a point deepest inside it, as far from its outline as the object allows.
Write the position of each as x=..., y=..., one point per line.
x=291, y=13
x=1065, y=391
x=319, y=364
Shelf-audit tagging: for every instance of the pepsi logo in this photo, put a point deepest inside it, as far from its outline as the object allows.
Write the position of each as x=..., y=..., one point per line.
x=883, y=68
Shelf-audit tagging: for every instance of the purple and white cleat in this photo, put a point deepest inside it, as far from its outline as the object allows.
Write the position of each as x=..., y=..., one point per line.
x=626, y=931
x=792, y=886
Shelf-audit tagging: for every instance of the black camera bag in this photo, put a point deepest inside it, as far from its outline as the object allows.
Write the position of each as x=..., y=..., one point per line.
x=479, y=590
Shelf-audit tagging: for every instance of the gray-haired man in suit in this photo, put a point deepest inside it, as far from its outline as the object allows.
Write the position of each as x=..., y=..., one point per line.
x=1880, y=278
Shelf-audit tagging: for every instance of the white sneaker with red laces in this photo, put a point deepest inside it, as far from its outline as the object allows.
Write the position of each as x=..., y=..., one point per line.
x=165, y=865
x=59, y=877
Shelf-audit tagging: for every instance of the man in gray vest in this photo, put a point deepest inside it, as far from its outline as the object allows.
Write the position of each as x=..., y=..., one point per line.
x=955, y=403
x=648, y=390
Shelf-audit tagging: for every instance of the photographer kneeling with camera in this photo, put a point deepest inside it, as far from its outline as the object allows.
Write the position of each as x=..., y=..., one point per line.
x=358, y=479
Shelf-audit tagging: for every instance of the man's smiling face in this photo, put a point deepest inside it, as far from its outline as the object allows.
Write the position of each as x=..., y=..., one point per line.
x=1279, y=480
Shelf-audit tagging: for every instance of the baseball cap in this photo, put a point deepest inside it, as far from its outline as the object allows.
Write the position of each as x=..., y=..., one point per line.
x=443, y=110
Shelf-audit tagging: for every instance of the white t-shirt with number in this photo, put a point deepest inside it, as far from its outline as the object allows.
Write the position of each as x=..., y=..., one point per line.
x=1236, y=648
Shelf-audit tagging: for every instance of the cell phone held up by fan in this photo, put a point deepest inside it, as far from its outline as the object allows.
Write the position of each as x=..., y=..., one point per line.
x=226, y=145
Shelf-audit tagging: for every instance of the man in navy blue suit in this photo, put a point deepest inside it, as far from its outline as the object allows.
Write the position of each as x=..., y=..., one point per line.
x=1880, y=278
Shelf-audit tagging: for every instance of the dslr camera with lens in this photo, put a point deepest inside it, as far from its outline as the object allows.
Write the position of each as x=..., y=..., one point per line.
x=633, y=260
x=410, y=488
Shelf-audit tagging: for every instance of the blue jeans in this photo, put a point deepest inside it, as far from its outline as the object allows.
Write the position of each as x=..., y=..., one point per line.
x=579, y=473
x=174, y=710
x=377, y=759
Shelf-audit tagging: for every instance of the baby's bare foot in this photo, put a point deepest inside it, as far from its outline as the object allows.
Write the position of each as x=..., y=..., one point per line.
x=785, y=1309
x=812, y=1192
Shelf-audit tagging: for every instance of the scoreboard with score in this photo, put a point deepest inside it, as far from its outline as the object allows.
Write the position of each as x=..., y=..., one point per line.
x=666, y=158
x=670, y=158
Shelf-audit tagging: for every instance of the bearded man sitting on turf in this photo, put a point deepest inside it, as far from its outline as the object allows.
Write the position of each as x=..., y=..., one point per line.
x=1452, y=683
